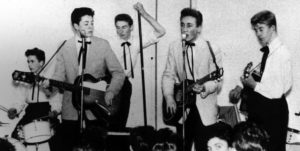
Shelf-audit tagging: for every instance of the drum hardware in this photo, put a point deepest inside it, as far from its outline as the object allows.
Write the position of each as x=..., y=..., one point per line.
x=37, y=132
x=293, y=136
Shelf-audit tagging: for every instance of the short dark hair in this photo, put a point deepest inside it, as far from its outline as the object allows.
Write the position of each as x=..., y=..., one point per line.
x=264, y=17
x=142, y=138
x=193, y=13
x=167, y=140
x=5, y=145
x=92, y=139
x=124, y=17
x=79, y=12
x=40, y=54
x=249, y=136
x=222, y=131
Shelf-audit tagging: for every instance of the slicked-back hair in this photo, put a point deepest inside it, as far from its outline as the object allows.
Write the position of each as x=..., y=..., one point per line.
x=264, y=17
x=193, y=13
x=79, y=12
x=40, y=54
x=124, y=17
x=249, y=136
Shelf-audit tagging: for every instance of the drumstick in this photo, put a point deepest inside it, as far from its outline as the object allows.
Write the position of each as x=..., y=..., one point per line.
x=3, y=108
x=42, y=117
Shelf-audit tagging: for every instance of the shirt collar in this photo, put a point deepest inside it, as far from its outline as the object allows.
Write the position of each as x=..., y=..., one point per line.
x=129, y=40
x=274, y=45
x=77, y=38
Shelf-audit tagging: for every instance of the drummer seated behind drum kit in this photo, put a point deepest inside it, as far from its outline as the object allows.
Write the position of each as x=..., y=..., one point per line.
x=34, y=127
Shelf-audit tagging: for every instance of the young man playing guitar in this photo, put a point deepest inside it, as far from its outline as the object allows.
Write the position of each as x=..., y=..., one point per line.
x=200, y=61
x=264, y=95
x=100, y=60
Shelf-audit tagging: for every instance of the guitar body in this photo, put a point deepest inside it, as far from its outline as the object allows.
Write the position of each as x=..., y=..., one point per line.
x=93, y=96
x=190, y=97
x=190, y=100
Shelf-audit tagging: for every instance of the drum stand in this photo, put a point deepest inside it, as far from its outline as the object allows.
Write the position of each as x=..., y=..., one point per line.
x=36, y=147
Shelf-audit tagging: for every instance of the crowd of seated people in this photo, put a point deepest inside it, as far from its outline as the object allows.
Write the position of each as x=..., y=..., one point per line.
x=245, y=136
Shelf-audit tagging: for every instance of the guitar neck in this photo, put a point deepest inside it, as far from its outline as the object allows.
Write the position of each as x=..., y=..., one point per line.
x=63, y=85
x=199, y=81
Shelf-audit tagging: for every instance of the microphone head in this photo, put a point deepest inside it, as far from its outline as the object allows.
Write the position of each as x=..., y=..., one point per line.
x=183, y=36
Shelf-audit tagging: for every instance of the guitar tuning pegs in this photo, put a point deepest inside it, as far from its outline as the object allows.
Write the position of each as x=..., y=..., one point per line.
x=219, y=79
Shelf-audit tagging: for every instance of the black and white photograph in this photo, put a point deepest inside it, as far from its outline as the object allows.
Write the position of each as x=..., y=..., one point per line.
x=150, y=75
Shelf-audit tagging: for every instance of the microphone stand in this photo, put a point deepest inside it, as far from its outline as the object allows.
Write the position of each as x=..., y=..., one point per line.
x=83, y=56
x=142, y=69
x=42, y=69
x=184, y=48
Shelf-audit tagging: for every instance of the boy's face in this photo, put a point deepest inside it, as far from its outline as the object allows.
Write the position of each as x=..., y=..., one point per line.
x=264, y=33
x=34, y=64
x=85, y=26
x=123, y=29
x=189, y=28
x=217, y=144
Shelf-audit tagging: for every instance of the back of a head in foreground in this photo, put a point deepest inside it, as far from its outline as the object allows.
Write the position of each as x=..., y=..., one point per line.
x=248, y=136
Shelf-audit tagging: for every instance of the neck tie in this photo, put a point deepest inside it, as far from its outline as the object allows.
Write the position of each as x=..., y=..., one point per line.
x=82, y=49
x=124, y=53
x=190, y=65
x=124, y=57
x=265, y=50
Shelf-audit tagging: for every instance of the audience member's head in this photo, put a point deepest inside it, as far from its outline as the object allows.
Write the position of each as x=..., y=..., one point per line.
x=248, y=136
x=5, y=145
x=93, y=139
x=142, y=138
x=220, y=139
x=166, y=140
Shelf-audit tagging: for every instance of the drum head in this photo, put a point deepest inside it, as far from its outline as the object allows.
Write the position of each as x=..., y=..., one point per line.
x=37, y=131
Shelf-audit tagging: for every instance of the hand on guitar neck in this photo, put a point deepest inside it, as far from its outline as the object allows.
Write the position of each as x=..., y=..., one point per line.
x=12, y=113
x=248, y=82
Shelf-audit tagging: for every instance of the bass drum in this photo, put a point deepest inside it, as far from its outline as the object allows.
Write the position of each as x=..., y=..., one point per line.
x=17, y=144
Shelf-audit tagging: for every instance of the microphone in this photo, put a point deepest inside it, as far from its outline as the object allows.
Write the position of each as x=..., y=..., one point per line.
x=83, y=39
x=183, y=38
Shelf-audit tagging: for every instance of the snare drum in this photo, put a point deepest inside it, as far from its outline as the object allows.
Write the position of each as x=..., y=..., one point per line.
x=37, y=131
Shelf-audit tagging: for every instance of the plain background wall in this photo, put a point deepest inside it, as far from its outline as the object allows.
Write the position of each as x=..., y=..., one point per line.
x=45, y=24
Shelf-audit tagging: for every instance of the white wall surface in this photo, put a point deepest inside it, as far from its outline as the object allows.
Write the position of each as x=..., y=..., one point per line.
x=45, y=24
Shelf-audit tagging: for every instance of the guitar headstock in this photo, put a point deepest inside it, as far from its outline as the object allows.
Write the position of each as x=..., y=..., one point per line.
x=27, y=77
x=247, y=70
x=217, y=75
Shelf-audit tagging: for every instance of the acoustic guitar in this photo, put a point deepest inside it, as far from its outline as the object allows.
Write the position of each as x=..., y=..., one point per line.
x=190, y=96
x=93, y=90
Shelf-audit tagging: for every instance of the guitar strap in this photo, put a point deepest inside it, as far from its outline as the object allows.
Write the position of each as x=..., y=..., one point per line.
x=213, y=55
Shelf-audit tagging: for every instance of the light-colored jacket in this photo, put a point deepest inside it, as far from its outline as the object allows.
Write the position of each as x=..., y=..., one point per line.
x=100, y=58
x=203, y=65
